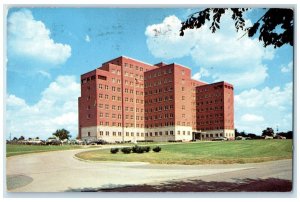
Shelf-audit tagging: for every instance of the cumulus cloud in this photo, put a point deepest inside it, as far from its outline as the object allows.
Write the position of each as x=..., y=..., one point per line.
x=267, y=97
x=31, y=39
x=269, y=107
x=202, y=73
x=56, y=109
x=287, y=68
x=218, y=53
x=252, y=118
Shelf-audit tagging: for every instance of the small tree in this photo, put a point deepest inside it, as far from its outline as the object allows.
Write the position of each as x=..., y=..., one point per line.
x=62, y=134
x=253, y=136
x=22, y=138
x=243, y=134
x=268, y=132
x=15, y=139
x=236, y=133
x=37, y=138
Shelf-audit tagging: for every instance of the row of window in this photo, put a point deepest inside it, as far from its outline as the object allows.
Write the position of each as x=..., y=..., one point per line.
x=131, y=91
x=132, y=67
x=119, y=124
x=119, y=116
x=106, y=87
x=159, y=116
x=159, y=73
x=212, y=128
x=159, y=99
x=159, y=108
x=209, y=96
x=210, y=102
x=209, y=116
x=171, y=123
x=212, y=135
x=158, y=83
x=113, y=97
x=128, y=74
x=210, y=122
x=85, y=80
x=118, y=89
x=158, y=91
x=171, y=132
x=113, y=107
x=160, y=124
x=210, y=109
x=131, y=100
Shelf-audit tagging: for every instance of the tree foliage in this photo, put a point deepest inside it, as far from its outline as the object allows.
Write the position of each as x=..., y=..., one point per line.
x=62, y=134
x=267, y=25
x=22, y=138
x=268, y=132
x=288, y=135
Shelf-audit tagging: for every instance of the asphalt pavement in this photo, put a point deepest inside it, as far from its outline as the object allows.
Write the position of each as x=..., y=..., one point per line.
x=60, y=171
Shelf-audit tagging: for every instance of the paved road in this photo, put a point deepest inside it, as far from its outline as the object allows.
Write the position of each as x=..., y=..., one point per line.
x=59, y=171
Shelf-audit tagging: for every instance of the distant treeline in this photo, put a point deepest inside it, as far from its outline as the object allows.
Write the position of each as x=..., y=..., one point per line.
x=287, y=135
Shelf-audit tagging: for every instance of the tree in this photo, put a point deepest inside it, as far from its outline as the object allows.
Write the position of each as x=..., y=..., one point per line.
x=236, y=133
x=22, y=138
x=15, y=139
x=268, y=132
x=268, y=23
x=37, y=138
x=62, y=134
x=288, y=135
x=253, y=136
x=243, y=134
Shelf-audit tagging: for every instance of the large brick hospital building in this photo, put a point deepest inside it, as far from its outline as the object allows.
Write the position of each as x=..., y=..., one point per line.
x=129, y=100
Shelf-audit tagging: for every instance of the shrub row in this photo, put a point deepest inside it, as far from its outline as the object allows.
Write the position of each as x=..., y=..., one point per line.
x=174, y=140
x=135, y=149
x=145, y=141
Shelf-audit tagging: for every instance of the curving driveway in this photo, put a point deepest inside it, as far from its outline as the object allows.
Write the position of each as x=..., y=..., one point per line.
x=59, y=171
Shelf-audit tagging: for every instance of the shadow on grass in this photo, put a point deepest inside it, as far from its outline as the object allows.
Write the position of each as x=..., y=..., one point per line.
x=247, y=185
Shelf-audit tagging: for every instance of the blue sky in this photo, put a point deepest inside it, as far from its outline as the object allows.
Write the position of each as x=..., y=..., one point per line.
x=48, y=46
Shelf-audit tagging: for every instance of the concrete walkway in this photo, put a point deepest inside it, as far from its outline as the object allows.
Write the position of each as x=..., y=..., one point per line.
x=59, y=171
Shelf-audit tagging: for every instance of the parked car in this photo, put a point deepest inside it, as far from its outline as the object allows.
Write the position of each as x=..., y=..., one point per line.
x=240, y=138
x=65, y=141
x=219, y=139
x=35, y=142
x=53, y=141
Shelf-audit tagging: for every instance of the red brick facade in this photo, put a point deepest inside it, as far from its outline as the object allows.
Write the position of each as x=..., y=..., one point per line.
x=128, y=100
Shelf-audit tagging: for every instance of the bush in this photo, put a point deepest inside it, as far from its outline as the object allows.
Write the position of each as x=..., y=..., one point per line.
x=146, y=149
x=138, y=149
x=145, y=141
x=114, y=150
x=126, y=150
x=156, y=149
x=174, y=140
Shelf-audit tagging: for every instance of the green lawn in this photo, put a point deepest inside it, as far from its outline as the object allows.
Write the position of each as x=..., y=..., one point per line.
x=12, y=150
x=248, y=151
